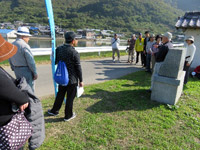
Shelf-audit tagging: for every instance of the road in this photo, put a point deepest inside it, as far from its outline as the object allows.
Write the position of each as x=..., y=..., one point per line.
x=94, y=71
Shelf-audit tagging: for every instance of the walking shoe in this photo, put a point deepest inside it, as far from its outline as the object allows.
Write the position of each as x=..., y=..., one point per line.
x=72, y=117
x=113, y=60
x=51, y=113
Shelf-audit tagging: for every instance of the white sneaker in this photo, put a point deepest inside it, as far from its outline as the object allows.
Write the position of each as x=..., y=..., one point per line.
x=113, y=60
x=73, y=116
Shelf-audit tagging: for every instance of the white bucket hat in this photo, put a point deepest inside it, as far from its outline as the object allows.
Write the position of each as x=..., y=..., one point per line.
x=23, y=31
x=191, y=38
x=168, y=35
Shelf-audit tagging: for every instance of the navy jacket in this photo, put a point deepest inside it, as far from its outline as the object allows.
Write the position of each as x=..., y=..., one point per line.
x=162, y=51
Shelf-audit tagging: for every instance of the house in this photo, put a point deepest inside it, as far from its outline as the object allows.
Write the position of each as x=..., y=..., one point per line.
x=86, y=33
x=18, y=23
x=8, y=33
x=8, y=25
x=190, y=25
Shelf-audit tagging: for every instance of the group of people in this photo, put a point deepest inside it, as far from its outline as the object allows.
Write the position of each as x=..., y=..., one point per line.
x=153, y=49
x=22, y=63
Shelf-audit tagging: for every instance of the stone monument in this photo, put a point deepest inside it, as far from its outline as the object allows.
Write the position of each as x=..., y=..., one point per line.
x=167, y=84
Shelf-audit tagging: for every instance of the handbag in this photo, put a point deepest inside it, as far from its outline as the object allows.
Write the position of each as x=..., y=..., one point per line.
x=61, y=75
x=15, y=134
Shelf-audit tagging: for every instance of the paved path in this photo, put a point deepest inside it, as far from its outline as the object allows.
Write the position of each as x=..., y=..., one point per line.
x=94, y=71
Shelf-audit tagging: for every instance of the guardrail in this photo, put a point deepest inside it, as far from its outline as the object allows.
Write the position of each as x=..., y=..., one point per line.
x=47, y=51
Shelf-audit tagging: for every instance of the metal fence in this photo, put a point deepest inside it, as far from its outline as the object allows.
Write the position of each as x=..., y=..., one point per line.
x=47, y=51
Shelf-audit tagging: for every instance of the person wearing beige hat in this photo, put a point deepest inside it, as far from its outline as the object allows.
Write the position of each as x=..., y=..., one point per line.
x=9, y=93
x=191, y=49
x=23, y=63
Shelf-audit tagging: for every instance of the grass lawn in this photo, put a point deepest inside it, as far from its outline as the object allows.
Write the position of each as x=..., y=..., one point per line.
x=118, y=114
x=83, y=56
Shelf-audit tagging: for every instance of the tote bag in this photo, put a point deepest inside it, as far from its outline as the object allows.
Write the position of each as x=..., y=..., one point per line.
x=15, y=134
x=61, y=75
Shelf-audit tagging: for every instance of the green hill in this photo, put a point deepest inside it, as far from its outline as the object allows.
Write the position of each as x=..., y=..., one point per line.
x=121, y=16
x=185, y=5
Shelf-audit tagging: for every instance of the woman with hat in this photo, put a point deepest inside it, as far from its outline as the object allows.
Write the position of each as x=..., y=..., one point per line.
x=9, y=93
x=191, y=49
x=23, y=63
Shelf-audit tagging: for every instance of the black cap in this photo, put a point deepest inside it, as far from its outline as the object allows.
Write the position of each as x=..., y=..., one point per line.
x=69, y=37
x=146, y=32
x=157, y=37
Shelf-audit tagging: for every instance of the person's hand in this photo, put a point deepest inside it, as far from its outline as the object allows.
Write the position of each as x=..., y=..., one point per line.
x=81, y=84
x=156, y=46
x=23, y=107
x=187, y=64
x=35, y=77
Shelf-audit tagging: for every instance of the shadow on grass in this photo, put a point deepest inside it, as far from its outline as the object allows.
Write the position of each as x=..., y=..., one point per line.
x=119, y=101
x=131, y=95
x=50, y=120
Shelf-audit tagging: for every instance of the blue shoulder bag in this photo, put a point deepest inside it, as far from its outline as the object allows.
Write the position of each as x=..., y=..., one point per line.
x=61, y=75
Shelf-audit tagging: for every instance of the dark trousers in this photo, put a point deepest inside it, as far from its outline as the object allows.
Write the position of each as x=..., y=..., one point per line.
x=186, y=68
x=143, y=59
x=148, y=62
x=137, y=58
x=71, y=93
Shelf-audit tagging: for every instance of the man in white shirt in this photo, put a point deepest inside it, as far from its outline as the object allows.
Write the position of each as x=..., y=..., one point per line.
x=191, y=49
x=115, y=47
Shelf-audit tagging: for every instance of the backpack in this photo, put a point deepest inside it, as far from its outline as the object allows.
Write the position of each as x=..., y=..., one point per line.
x=61, y=75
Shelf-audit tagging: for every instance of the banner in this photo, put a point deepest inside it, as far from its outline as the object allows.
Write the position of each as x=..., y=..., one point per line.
x=53, y=39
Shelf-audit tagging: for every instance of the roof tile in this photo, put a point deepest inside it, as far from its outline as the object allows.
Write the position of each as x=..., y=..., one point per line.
x=189, y=20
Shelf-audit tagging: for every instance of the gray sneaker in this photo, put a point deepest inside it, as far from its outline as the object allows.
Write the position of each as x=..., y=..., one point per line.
x=73, y=116
x=52, y=113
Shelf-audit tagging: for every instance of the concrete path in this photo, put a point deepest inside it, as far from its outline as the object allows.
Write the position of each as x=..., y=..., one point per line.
x=94, y=71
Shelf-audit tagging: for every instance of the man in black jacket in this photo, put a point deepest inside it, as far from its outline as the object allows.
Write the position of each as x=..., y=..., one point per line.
x=162, y=53
x=70, y=56
x=164, y=48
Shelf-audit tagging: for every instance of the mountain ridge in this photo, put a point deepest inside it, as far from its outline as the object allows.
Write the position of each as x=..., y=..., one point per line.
x=121, y=16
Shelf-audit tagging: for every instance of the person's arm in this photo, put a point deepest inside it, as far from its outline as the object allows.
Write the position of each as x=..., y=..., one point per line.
x=11, y=65
x=78, y=68
x=147, y=47
x=192, y=52
x=9, y=92
x=118, y=40
x=56, y=57
x=30, y=61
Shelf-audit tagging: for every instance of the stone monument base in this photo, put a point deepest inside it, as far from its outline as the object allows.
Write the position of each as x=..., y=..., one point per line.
x=167, y=90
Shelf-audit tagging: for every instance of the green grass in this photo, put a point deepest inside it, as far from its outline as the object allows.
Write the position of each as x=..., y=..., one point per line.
x=118, y=115
x=83, y=56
